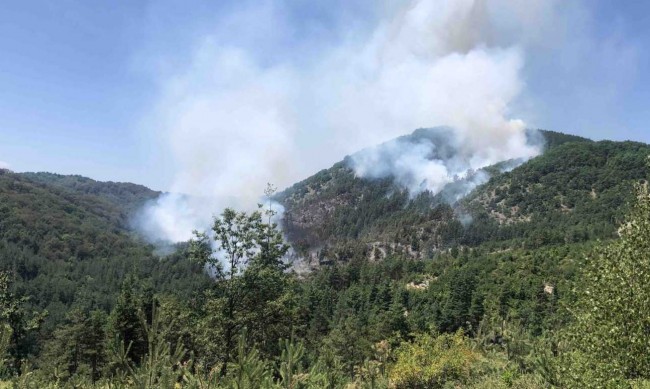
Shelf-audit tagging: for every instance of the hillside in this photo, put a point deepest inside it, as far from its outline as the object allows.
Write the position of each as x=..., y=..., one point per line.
x=39, y=210
x=571, y=193
x=66, y=240
x=489, y=265
x=124, y=195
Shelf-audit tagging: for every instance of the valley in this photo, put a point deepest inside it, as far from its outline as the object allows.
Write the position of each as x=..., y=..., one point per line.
x=492, y=264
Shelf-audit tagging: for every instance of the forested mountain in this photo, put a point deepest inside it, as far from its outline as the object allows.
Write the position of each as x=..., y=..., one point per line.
x=126, y=197
x=573, y=192
x=60, y=216
x=66, y=241
x=492, y=283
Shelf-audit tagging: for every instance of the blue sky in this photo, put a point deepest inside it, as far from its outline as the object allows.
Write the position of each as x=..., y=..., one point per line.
x=81, y=82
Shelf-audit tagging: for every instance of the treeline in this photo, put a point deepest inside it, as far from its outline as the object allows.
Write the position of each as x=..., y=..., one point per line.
x=575, y=192
x=522, y=294
x=572, y=316
x=65, y=241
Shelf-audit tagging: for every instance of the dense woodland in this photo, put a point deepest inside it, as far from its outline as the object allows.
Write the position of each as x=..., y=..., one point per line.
x=577, y=191
x=537, y=278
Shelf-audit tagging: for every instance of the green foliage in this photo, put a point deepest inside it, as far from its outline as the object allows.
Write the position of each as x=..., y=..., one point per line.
x=77, y=347
x=19, y=326
x=65, y=241
x=610, y=339
x=5, y=344
x=253, y=291
x=248, y=370
x=161, y=366
x=125, y=321
x=389, y=271
x=575, y=192
x=433, y=362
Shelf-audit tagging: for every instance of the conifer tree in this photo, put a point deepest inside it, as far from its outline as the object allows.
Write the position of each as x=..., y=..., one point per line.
x=125, y=324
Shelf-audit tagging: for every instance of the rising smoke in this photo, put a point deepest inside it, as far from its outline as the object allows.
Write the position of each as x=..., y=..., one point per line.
x=433, y=160
x=240, y=114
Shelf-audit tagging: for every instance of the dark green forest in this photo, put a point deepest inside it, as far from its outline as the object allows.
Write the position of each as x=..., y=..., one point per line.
x=535, y=279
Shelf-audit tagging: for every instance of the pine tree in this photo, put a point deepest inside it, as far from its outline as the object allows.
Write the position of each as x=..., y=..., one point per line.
x=125, y=325
x=77, y=347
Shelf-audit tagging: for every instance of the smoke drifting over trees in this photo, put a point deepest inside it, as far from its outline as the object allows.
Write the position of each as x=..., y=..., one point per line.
x=238, y=116
x=430, y=159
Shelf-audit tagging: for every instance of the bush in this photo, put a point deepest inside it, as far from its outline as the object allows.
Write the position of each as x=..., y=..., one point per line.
x=430, y=362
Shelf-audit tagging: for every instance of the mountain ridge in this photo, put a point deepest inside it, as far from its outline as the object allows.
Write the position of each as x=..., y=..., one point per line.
x=334, y=207
x=68, y=244
x=510, y=250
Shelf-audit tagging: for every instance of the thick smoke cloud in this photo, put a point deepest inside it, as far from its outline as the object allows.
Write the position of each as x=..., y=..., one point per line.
x=247, y=110
x=431, y=160
x=173, y=217
x=4, y=165
x=412, y=164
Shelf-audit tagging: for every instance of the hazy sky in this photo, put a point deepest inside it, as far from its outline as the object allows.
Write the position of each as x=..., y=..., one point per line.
x=84, y=85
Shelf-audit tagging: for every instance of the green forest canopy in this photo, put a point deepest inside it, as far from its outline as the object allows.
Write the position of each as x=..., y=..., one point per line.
x=491, y=303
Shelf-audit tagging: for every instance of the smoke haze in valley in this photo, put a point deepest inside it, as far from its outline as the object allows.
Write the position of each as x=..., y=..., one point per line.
x=237, y=115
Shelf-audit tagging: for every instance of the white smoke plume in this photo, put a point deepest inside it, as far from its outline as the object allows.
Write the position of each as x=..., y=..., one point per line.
x=4, y=165
x=411, y=164
x=430, y=160
x=239, y=114
x=175, y=216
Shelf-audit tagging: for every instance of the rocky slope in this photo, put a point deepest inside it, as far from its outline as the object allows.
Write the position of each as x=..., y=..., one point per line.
x=570, y=193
